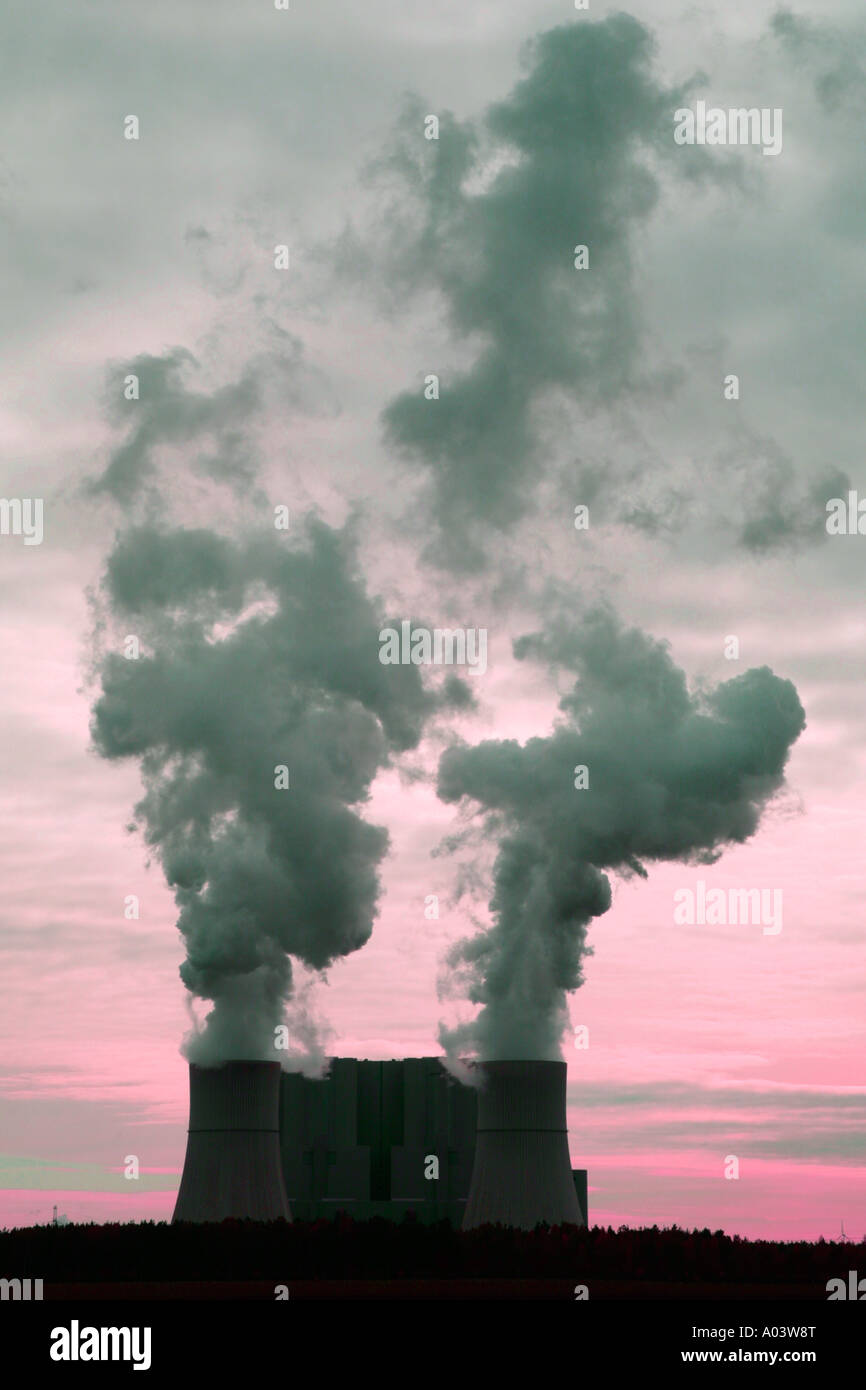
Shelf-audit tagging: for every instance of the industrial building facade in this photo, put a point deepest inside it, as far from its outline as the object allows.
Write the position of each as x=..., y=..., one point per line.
x=361, y=1140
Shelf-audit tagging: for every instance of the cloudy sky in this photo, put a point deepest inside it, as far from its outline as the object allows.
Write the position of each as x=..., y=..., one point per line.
x=559, y=388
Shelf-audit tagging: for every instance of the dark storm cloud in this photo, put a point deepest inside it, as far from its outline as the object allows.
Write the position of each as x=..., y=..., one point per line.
x=673, y=775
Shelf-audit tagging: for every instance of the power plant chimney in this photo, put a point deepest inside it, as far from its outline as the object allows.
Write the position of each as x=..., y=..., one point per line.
x=522, y=1173
x=232, y=1166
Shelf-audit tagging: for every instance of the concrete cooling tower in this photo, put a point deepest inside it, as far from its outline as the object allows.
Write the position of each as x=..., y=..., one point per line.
x=233, y=1166
x=522, y=1172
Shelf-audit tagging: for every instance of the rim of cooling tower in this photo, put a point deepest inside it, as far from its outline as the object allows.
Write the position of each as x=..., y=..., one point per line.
x=233, y=1166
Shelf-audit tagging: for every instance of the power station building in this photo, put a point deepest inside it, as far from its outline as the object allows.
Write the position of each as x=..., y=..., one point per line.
x=381, y=1139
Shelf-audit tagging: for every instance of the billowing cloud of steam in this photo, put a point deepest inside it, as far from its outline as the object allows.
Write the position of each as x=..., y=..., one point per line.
x=673, y=775
x=169, y=412
x=179, y=407
x=574, y=141
x=258, y=652
x=836, y=57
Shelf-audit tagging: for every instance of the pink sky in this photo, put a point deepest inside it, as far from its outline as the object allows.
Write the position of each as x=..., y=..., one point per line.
x=704, y=1041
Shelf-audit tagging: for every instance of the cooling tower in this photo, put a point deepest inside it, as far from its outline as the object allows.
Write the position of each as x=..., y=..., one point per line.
x=522, y=1173
x=232, y=1166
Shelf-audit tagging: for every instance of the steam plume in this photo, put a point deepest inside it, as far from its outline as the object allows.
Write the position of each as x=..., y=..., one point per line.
x=261, y=653
x=498, y=204
x=672, y=775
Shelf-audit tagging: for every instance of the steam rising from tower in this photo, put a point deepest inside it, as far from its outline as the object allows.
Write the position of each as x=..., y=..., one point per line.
x=637, y=768
x=260, y=715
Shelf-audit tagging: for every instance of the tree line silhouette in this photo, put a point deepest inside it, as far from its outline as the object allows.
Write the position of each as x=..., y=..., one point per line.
x=378, y=1249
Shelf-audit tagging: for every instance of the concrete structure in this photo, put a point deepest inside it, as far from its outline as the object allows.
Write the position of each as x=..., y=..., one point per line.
x=361, y=1140
x=522, y=1172
x=232, y=1166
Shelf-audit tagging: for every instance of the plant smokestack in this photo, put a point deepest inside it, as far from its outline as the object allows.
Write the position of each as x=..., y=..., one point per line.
x=522, y=1173
x=232, y=1167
